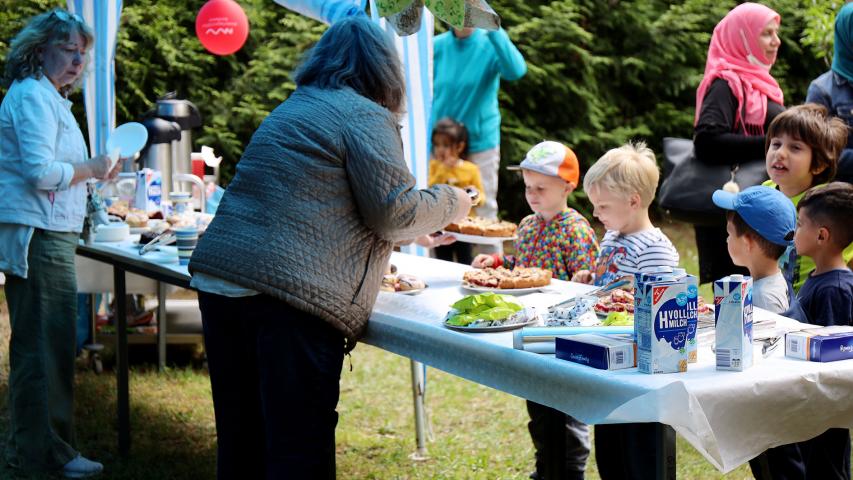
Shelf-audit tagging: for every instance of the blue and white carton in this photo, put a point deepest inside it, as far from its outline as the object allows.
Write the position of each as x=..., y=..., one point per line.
x=666, y=304
x=733, y=315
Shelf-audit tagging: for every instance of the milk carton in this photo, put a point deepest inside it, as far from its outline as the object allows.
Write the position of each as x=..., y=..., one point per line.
x=733, y=314
x=148, y=190
x=692, y=284
x=666, y=302
x=642, y=309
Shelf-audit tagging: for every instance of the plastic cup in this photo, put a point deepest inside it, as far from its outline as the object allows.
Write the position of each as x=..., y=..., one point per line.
x=186, y=238
x=180, y=200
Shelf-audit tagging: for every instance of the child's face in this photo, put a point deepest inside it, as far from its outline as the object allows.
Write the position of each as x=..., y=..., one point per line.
x=613, y=210
x=445, y=150
x=806, y=234
x=789, y=164
x=738, y=245
x=545, y=194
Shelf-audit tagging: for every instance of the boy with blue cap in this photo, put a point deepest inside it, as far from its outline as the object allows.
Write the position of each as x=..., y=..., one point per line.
x=760, y=223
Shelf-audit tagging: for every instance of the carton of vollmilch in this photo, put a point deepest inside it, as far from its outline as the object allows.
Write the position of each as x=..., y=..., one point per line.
x=820, y=344
x=733, y=315
x=606, y=352
x=666, y=304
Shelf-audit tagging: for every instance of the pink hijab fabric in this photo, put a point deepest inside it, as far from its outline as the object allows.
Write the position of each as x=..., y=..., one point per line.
x=735, y=56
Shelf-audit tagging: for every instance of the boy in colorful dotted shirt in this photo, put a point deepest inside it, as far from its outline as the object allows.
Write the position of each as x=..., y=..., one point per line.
x=555, y=237
x=559, y=239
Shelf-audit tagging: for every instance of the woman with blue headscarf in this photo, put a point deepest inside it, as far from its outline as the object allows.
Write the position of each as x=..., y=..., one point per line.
x=834, y=89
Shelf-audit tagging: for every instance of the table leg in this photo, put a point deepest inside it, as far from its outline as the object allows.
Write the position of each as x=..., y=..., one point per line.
x=122, y=374
x=161, y=326
x=665, y=461
x=418, y=386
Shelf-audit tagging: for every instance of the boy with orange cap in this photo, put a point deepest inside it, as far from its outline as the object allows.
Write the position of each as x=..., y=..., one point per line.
x=557, y=238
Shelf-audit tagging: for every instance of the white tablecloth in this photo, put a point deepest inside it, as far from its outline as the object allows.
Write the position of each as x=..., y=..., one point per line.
x=729, y=417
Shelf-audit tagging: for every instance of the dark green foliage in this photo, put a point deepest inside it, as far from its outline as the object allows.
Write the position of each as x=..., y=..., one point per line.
x=600, y=71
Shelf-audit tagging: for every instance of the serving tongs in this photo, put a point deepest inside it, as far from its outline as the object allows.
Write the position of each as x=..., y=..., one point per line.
x=163, y=239
x=596, y=292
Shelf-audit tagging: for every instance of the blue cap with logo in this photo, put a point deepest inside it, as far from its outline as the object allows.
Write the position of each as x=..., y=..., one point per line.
x=767, y=210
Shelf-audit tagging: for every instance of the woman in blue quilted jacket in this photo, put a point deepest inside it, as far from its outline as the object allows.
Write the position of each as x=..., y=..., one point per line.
x=290, y=267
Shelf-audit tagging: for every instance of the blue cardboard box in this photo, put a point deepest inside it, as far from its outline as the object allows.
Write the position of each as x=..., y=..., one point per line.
x=826, y=344
x=605, y=352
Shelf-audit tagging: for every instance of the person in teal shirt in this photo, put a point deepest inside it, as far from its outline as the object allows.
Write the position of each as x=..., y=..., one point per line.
x=469, y=64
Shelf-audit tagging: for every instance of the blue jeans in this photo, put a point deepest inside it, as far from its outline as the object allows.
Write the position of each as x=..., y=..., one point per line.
x=275, y=377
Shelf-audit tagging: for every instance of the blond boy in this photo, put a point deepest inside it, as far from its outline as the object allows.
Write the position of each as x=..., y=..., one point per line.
x=621, y=186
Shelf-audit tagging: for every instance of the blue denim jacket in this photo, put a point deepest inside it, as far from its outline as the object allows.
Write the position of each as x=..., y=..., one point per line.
x=39, y=142
x=836, y=93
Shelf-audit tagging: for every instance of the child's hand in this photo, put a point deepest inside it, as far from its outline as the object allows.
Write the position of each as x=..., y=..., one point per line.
x=483, y=261
x=582, y=276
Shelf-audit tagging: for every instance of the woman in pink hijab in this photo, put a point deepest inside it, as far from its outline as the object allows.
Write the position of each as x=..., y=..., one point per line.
x=735, y=103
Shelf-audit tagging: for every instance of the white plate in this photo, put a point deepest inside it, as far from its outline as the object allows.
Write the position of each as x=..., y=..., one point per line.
x=129, y=138
x=112, y=232
x=407, y=292
x=161, y=257
x=509, y=291
x=479, y=239
x=138, y=230
x=491, y=328
x=412, y=292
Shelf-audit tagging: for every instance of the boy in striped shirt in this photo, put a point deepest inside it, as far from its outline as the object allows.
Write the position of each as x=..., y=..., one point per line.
x=621, y=186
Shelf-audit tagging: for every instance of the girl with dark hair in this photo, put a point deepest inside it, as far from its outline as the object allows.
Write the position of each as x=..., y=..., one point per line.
x=449, y=165
x=290, y=268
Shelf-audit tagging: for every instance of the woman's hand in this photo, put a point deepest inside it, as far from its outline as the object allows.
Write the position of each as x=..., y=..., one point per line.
x=115, y=170
x=463, y=204
x=432, y=241
x=100, y=166
x=583, y=276
x=95, y=167
x=483, y=261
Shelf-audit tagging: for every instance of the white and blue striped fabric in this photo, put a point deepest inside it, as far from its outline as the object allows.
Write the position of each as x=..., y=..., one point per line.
x=326, y=11
x=416, y=54
x=99, y=83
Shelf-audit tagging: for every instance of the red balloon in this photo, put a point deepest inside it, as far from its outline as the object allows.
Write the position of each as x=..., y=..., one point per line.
x=222, y=26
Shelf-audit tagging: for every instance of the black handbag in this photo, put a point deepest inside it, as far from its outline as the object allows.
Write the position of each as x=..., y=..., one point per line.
x=685, y=194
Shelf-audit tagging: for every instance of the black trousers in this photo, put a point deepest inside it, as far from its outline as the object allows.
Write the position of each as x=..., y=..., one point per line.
x=625, y=451
x=561, y=443
x=275, y=377
x=825, y=457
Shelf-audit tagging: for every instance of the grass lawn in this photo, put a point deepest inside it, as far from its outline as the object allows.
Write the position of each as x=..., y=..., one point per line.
x=479, y=433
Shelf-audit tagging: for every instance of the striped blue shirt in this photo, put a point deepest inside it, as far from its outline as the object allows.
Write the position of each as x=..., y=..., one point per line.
x=621, y=255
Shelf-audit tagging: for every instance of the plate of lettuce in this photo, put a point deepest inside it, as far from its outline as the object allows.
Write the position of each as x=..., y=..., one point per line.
x=488, y=312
